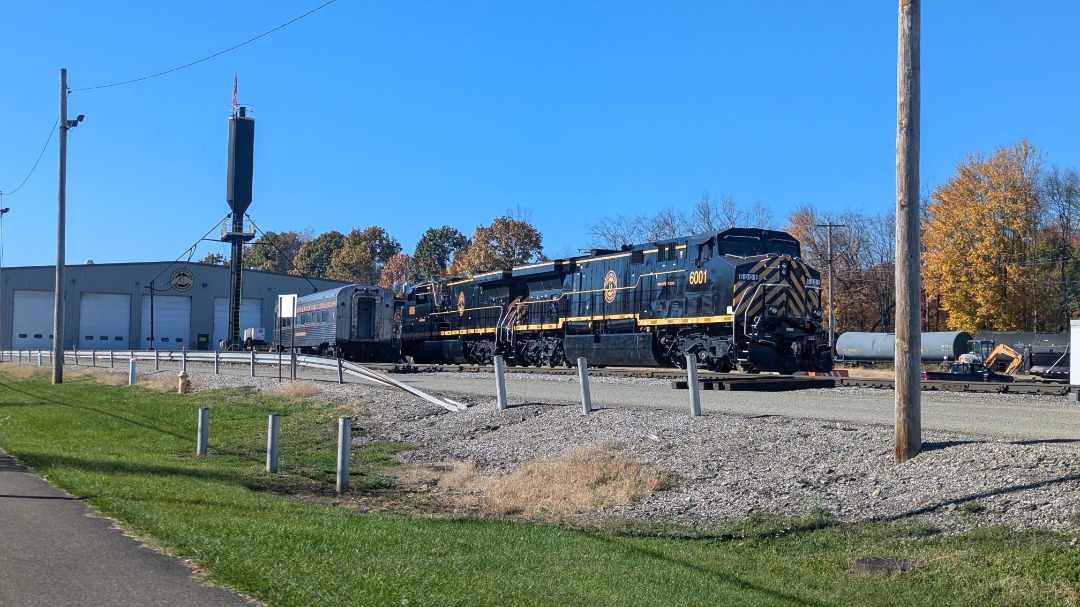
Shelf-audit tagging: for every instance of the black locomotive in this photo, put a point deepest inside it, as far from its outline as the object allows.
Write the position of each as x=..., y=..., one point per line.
x=742, y=298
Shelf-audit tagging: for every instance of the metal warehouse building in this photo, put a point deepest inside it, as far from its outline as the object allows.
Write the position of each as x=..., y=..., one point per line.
x=111, y=306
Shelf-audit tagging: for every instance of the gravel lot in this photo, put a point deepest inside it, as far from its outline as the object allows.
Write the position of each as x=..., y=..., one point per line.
x=731, y=465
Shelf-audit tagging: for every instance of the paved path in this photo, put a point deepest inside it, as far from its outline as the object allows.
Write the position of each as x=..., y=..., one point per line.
x=54, y=552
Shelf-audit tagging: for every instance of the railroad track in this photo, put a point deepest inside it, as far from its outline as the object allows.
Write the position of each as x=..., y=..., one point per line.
x=709, y=380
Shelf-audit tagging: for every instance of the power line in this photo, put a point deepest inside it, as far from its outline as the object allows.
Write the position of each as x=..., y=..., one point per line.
x=209, y=57
x=32, y=169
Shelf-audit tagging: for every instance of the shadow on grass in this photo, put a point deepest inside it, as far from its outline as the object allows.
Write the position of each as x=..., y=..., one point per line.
x=52, y=400
x=731, y=580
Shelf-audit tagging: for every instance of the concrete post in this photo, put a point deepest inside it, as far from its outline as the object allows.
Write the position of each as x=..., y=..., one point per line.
x=272, y=434
x=583, y=375
x=500, y=382
x=344, y=437
x=204, y=430
x=692, y=383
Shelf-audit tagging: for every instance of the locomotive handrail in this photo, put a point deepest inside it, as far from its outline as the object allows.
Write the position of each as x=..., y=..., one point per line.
x=265, y=358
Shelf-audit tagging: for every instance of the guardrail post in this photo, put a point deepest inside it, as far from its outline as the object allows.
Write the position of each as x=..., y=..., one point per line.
x=292, y=366
x=93, y=358
x=204, y=430
x=344, y=436
x=111, y=359
x=692, y=383
x=131, y=371
x=217, y=362
x=253, y=363
x=500, y=382
x=272, y=432
x=340, y=371
x=76, y=357
x=183, y=360
x=157, y=360
x=583, y=375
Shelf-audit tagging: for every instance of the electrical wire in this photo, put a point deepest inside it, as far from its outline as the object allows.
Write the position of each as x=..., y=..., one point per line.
x=190, y=252
x=314, y=289
x=36, y=162
x=209, y=57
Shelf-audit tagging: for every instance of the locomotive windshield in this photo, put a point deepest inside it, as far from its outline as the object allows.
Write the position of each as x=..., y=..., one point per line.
x=750, y=242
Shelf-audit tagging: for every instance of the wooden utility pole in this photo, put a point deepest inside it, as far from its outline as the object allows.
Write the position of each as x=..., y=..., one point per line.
x=61, y=203
x=908, y=434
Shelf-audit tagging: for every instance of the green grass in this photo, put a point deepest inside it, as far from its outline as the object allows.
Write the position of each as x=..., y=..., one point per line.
x=130, y=452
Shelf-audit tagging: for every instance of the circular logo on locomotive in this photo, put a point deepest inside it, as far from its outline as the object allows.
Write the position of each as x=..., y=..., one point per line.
x=611, y=285
x=461, y=303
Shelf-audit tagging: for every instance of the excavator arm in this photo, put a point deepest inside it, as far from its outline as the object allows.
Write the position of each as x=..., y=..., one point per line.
x=1005, y=352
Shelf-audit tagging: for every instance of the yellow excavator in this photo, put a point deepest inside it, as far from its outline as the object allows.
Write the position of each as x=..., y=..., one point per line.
x=993, y=354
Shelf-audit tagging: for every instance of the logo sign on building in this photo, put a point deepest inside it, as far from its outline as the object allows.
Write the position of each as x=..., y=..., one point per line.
x=287, y=306
x=182, y=280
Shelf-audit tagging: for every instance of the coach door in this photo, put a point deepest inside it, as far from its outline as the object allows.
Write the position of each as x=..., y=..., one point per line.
x=365, y=318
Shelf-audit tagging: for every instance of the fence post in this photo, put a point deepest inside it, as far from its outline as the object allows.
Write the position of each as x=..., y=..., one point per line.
x=340, y=371
x=344, y=436
x=500, y=382
x=131, y=372
x=253, y=363
x=692, y=383
x=272, y=433
x=583, y=375
x=217, y=362
x=204, y=430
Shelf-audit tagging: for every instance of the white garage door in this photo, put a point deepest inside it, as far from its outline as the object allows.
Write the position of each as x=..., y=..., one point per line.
x=250, y=316
x=32, y=320
x=104, y=321
x=172, y=322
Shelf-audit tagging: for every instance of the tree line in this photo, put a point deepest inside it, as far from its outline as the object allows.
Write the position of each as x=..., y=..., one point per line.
x=372, y=256
x=1000, y=247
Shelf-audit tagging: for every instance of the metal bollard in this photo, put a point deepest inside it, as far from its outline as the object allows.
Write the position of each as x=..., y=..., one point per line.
x=272, y=433
x=39, y=359
x=583, y=375
x=131, y=372
x=692, y=383
x=344, y=436
x=500, y=383
x=204, y=430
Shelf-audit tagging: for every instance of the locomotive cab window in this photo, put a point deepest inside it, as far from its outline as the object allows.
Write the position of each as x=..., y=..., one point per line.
x=637, y=257
x=705, y=250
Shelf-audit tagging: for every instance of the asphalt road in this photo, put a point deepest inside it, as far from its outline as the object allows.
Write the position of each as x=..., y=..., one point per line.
x=54, y=552
x=1031, y=417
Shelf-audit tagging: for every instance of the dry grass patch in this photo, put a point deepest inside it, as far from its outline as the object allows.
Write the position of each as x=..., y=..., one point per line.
x=299, y=389
x=571, y=484
x=100, y=376
x=24, y=371
x=165, y=382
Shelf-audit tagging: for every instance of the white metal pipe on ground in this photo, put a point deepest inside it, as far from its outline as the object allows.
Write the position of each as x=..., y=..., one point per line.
x=344, y=438
x=204, y=431
x=272, y=435
x=583, y=375
x=692, y=383
x=131, y=372
x=500, y=382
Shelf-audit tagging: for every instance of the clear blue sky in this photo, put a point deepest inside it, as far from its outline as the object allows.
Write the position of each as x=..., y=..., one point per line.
x=409, y=115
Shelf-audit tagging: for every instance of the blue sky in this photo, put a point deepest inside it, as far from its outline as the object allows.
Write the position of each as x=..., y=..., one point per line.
x=409, y=115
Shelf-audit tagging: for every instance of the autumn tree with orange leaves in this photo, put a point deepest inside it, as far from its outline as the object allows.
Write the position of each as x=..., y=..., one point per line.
x=505, y=243
x=980, y=234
